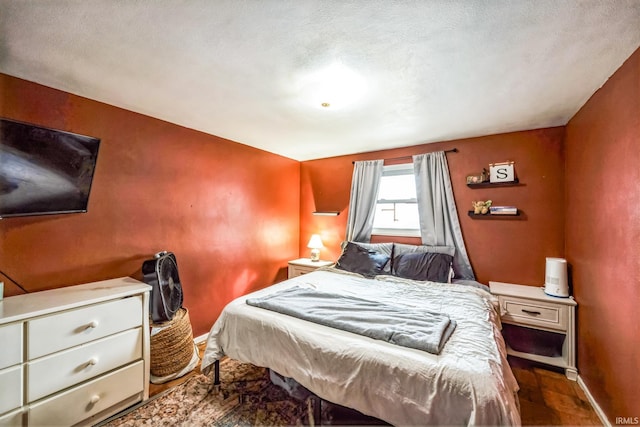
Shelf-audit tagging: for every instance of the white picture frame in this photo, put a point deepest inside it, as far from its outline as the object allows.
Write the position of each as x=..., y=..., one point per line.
x=501, y=172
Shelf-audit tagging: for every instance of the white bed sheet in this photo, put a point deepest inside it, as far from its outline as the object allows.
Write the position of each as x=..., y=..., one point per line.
x=468, y=383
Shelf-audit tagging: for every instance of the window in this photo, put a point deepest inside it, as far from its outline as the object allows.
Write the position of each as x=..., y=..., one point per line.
x=397, y=207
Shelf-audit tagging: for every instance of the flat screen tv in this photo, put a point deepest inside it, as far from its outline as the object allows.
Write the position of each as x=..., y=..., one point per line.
x=44, y=171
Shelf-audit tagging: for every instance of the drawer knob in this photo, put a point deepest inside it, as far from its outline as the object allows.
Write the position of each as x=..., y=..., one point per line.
x=94, y=399
x=93, y=324
x=93, y=361
x=531, y=312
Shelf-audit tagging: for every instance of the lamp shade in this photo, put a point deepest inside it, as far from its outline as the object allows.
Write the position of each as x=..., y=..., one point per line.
x=315, y=242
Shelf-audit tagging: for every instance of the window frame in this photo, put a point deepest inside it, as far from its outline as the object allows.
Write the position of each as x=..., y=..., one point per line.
x=394, y=170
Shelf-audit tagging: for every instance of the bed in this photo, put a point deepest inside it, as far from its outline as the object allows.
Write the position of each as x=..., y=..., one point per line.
x=468, y=383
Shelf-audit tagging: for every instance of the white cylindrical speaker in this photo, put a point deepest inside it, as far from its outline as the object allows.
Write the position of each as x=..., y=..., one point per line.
x=555, y=280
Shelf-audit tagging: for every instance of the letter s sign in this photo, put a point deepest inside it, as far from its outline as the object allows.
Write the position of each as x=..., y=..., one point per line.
x=501, y=172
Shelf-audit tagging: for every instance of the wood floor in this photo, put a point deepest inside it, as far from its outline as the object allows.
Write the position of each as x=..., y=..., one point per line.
x=546, y=397
x=549, y=398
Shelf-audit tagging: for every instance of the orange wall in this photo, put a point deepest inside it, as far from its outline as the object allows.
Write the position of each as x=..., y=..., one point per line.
x=229, y=212
x=506, y=250
x=234, y=215
x=603, y=238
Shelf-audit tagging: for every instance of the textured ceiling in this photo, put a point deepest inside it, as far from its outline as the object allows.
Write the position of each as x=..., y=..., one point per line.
x=395, y=73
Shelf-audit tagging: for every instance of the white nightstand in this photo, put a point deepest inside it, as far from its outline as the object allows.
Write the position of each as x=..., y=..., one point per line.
x=298, y=267
x=530, y=308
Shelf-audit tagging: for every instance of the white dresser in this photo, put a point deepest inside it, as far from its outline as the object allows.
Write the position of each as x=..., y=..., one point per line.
x=74, y=355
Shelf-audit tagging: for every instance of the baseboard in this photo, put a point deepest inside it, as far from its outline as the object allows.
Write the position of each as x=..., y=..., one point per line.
x=594, y=404
x=200, y=339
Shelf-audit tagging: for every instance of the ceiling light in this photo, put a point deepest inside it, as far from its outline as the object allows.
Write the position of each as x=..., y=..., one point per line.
x=335, y=86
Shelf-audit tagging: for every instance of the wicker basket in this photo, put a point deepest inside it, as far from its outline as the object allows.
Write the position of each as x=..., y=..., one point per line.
x=172, y=347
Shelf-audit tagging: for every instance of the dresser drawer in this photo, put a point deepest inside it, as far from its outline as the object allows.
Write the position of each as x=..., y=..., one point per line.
x=49, y=334
x=11, y=342
x=535, y=313
x=10, y=388
x=79, y=403
x=12, y=419
x=67, y=368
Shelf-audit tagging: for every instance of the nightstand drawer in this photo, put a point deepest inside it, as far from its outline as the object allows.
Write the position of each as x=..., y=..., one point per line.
x=295, y=271
x=527, y=312
x=301, y=266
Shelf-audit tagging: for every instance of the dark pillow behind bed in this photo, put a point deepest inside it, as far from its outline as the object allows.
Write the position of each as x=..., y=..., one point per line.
x=402, y=248
x=430, y=266
x=383, y=248
x=358, y=259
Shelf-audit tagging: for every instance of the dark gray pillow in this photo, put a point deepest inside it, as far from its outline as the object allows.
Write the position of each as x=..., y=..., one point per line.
x=383, y=248
x=430, y=266
x=402, y=248
x=358, y=259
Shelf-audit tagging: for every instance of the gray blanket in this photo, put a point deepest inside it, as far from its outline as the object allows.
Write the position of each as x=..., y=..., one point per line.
x=400, y=325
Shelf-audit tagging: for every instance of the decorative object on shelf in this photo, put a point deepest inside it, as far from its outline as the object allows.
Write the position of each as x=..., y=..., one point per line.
x=479, y=178
x=501, y=172
x=315, y=244
x=480, y=207
x=503, y=210
x=555, y=279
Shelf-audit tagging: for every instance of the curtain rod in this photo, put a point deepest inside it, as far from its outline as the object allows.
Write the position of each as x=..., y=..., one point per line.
x=453, y=150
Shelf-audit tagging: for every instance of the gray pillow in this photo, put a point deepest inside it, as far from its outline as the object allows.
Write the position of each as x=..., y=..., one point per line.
x=402, y=248
x=383, y=248
x=358, y=259
x=431, y=266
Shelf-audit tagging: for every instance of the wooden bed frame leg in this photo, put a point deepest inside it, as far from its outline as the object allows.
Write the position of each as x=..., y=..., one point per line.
x=317, y=411
x=216, y=377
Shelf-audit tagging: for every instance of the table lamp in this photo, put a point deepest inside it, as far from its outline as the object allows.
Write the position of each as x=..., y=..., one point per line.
x=315, y=244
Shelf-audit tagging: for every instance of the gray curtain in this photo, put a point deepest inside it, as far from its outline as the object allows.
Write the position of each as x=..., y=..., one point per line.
x=362, y=203
x=439, y=223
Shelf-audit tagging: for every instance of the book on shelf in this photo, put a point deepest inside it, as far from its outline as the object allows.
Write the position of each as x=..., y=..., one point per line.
x=503, y=210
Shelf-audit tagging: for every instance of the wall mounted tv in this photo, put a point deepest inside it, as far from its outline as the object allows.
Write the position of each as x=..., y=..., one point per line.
x=44, y=171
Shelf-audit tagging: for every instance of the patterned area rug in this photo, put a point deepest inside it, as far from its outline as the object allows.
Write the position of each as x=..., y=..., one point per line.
x=246, y=398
